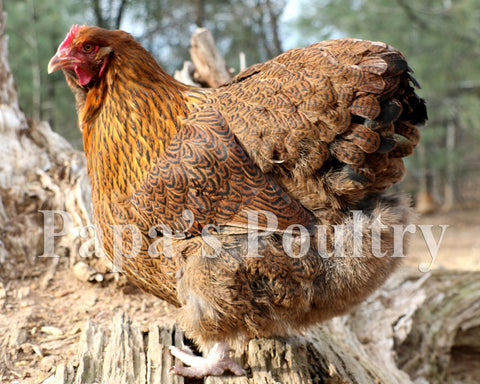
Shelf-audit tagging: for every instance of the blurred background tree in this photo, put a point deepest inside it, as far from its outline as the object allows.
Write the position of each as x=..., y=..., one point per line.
x=437, y=36
x=35, y=29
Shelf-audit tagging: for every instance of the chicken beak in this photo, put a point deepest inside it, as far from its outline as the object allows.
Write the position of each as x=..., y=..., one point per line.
x=60, y=61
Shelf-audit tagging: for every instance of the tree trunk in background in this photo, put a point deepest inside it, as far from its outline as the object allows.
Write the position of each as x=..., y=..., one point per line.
x=199, y=13
x=274, y=16
x=39, y=170
x=450, y=174
x=110, y=18
x=120, y=12
x=97, y=9
x=36, y=84
x=425, y=201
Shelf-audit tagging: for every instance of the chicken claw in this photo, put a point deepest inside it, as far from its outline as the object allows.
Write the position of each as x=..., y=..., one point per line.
x=216, y=362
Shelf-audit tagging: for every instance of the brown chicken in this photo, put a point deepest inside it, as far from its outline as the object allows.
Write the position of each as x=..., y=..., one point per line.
x=235, y=203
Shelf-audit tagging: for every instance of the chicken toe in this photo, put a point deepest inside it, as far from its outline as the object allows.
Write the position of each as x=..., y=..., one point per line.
x=216, y=362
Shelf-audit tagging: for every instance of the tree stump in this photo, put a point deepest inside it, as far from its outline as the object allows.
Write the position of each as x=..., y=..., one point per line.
x=422, y=328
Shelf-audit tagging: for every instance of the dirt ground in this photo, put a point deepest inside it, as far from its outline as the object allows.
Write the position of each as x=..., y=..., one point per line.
x=460, y=246
x=40, y=326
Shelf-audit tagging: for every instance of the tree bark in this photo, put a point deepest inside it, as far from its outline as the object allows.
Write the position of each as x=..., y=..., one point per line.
x=421, y=328
x=39, y=171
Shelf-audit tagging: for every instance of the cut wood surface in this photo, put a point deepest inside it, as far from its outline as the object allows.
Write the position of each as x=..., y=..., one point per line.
x=419, y=328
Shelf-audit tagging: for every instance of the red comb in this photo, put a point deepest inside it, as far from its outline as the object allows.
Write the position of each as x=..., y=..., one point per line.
x=70, y=36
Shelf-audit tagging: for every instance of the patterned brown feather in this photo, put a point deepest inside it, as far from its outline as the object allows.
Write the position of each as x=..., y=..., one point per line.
x=307, y=136
x=344, y=97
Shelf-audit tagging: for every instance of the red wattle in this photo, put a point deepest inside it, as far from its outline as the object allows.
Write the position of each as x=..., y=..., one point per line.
x=83, y=76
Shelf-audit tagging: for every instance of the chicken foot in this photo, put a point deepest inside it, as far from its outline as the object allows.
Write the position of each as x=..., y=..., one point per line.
x=217, y=361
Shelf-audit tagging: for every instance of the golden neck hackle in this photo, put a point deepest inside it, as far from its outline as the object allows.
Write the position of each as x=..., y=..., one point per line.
x=126, y=123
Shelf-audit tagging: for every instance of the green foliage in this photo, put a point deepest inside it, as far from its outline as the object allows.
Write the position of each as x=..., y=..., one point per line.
x=237, y=26
x=437, y=36
x=35, y=29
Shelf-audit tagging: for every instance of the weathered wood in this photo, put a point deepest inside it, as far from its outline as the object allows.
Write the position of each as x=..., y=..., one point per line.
x=443, y=342
x=391, y=338
x=39, y=171
x=121, y=354
x=186, y=74
x=210, y=67
x=271, y=361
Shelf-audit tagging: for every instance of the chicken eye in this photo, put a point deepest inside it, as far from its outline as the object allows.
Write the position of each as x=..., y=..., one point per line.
x=87, y=48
